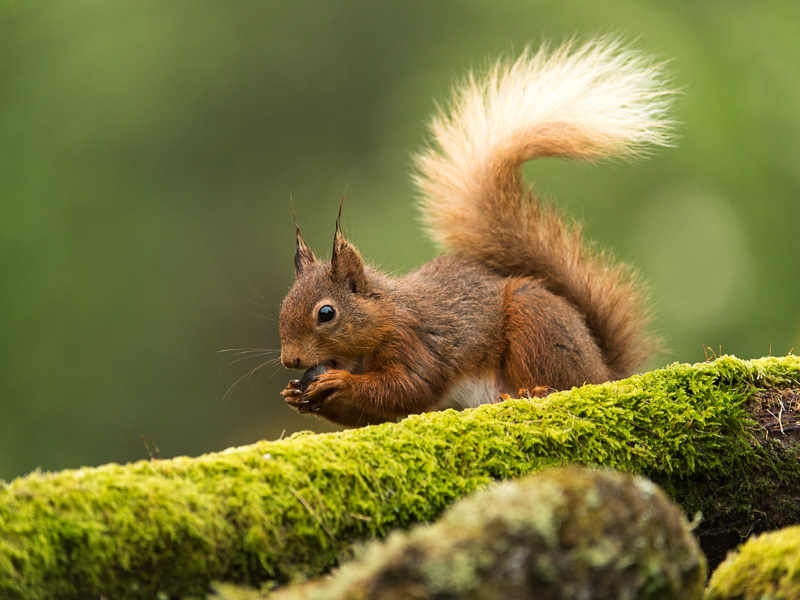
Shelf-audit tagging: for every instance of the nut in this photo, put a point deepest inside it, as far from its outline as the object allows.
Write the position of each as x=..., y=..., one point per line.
x=305, y=380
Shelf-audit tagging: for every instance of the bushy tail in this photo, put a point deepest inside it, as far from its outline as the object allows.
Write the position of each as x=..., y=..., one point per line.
x=590, y=101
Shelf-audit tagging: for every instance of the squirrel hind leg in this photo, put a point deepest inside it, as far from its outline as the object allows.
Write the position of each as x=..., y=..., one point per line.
x=547, y=342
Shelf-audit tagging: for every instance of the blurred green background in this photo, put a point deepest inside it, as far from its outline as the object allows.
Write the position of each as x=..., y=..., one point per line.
x=148, y=150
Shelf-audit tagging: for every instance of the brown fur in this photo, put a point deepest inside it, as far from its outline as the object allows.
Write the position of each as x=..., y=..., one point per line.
x=521, y=302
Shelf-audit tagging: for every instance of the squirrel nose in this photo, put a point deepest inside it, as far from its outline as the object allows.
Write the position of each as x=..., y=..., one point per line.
x=290, y=362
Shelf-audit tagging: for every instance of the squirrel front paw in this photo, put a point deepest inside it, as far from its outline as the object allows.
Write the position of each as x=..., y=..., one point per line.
x=309, y=396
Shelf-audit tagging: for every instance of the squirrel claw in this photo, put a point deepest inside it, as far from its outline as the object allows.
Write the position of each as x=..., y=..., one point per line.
x=303, y=405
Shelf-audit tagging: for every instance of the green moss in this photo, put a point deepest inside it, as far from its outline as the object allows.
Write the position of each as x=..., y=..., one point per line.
x=766, y=567
x=562, y=534
x=290, y=509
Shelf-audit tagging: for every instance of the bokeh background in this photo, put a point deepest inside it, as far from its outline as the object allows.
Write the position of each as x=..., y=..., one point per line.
x=148, y=150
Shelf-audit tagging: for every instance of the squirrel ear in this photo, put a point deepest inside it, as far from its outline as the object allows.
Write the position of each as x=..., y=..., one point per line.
x=303, y=256
x=346, y=262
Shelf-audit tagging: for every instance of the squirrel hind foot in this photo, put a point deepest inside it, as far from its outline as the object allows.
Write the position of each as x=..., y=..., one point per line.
x=540, y=391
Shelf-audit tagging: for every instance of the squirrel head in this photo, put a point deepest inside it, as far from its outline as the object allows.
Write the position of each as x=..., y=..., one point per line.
x=335, y=313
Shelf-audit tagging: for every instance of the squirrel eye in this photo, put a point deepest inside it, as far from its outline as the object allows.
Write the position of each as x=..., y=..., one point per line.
x=325, y=314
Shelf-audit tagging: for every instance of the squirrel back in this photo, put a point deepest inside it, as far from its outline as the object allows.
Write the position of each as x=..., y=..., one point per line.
x=520, y=301
x=587, y=102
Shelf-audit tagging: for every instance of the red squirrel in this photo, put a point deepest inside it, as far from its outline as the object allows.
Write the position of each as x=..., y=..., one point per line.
x=517, y=300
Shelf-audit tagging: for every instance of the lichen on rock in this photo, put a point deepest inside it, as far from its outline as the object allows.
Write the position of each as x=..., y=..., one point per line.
x=566, y=533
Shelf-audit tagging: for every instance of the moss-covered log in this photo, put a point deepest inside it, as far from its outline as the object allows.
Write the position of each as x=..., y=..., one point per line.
x=766, y=567
x=566, y=533
x=289, y=509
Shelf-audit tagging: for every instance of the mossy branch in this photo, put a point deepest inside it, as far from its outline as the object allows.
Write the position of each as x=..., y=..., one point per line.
x=289, y=509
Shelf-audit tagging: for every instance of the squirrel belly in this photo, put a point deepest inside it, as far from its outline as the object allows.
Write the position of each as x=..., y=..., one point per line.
x=518, y=300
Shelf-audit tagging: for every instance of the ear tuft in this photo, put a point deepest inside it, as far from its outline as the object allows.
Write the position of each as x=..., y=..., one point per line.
x=303, y=256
